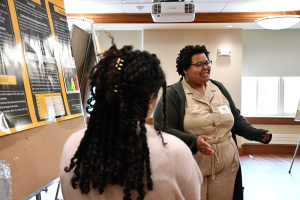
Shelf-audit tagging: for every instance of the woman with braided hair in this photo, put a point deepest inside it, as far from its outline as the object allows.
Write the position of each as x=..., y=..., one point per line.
x=118, y=156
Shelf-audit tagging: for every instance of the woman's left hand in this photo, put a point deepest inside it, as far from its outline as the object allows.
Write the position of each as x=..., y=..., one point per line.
x=266, y=136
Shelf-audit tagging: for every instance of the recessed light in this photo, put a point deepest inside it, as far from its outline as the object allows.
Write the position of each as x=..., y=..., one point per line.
x=229, y=26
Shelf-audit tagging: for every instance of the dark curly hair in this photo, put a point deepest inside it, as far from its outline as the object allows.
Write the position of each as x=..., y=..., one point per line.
x=114, y=148
x=184, y=58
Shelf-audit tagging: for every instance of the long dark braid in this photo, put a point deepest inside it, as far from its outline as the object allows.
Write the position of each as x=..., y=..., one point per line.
x=114, y=149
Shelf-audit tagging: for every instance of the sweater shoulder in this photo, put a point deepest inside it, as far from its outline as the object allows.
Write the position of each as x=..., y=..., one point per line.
x=176, y=90
x=217, y=83
x=173, y=144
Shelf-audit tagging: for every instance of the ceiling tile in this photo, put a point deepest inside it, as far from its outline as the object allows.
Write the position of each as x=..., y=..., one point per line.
x=130, y=8
x=245, y=1
x=209, y=1
x=73, y=6
x=272, y=6
x=136, y=1
x=83, y=7
x=294, y=6
x=101, y=1
x=106, y=8
x=241, y=7
x=209, y=7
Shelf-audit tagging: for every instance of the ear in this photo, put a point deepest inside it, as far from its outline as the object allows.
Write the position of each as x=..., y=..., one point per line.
x=185, y=71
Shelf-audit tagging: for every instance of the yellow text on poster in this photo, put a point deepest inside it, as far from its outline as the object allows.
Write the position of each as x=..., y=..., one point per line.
x=37, y=1
x=8, y=80
x=23, y=63
x=59, y=10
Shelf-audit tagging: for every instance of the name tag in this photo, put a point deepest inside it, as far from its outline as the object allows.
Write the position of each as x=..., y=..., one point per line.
x=224, y=109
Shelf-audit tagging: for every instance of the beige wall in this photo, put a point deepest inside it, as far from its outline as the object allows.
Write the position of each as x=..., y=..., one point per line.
x=167, y=44
x=122, y=38
x=228, y=70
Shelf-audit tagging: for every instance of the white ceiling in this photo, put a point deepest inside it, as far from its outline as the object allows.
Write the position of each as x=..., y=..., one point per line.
x=202, y=6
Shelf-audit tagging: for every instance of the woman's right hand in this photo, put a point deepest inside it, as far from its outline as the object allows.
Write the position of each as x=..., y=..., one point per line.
x=203, y=146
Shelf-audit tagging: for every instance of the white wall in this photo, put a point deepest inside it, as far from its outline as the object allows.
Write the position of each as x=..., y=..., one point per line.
x=271, y=53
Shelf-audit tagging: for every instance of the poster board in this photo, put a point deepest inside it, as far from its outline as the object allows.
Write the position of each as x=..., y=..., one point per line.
x=80, y=42
x=297, y=117
x=38, y=77
x=34, y=155
x=35, y=58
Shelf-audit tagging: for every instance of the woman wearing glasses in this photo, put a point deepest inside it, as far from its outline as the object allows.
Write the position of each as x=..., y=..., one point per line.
x=202, y=113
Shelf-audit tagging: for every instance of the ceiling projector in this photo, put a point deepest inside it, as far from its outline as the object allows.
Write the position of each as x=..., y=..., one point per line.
x=172, y=11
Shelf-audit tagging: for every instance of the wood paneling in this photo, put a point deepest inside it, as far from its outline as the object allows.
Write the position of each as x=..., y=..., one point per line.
x=270, y=149
x=235, y=17
x=272, y=120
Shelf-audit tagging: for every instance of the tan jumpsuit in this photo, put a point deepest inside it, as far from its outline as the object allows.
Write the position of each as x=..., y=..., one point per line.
x=211, y=116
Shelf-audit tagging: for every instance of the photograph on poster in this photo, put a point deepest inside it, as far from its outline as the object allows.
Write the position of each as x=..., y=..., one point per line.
x=71, y=80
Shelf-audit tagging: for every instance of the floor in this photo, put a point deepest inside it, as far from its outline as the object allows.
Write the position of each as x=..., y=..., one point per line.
x=265, y=177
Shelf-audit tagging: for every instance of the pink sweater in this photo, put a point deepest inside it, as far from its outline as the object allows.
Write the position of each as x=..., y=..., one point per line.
x=175, y=173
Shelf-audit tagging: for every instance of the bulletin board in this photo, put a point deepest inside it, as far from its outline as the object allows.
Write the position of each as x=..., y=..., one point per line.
x=34, y=155
x=38, y=86
x=38, y=77
x=297, y=117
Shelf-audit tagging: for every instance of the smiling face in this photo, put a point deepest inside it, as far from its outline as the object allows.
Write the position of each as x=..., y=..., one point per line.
x=197, y=77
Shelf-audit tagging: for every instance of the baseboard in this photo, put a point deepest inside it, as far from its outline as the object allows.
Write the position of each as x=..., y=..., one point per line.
x=269, y=149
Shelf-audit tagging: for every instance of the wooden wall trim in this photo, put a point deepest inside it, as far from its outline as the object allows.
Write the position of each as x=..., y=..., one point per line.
x=270, y=149
x=272, y=120
x=149, y=121
x=236, y=17
x=241, y=152
x=260, y=120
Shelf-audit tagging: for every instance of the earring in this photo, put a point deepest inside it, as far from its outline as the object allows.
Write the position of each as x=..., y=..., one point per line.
x=149, y=110
x=186, y=77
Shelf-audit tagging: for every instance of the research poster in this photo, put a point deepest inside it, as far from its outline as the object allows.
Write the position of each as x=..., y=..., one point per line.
x=38, y=79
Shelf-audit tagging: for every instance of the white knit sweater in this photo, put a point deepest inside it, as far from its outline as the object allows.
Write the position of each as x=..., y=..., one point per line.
x=175, y=173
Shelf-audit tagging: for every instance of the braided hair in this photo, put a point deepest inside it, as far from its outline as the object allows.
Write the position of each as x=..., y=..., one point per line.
x=114, y=148
x=184, y=58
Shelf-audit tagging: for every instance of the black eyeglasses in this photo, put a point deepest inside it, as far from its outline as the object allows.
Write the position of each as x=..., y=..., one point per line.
x=200, y=65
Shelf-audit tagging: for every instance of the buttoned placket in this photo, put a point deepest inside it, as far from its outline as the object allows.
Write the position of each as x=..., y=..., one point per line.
x=200, y=98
